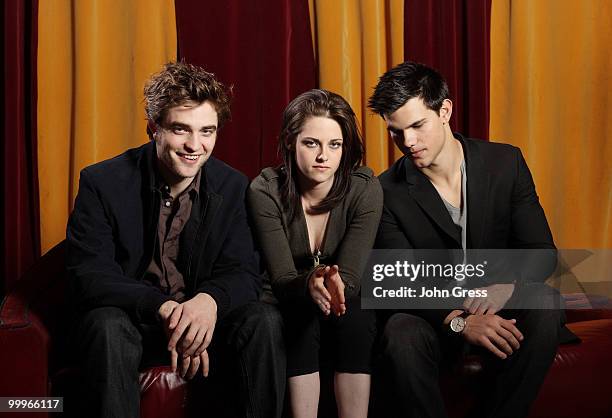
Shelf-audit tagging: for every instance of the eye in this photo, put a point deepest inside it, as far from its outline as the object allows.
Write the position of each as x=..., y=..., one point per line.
x=309, y=143
x=395, y=133
x=335, y=145
x=208, y=132
x=179, y=130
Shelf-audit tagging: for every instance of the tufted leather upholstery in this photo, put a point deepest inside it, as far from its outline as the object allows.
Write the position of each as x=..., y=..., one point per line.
x=33, y=346
x=33, y=358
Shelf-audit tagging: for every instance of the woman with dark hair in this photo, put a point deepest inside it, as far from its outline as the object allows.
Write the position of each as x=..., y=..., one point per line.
x=316, y=218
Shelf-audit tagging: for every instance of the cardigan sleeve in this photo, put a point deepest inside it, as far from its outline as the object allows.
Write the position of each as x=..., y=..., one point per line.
x=354, y=249
x=287, y=284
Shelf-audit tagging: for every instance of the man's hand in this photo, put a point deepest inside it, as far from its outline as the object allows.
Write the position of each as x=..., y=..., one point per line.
x=498, y=335
x=166, y=309
x=496, y=299
x=335, y=286
x=188, y=366
x=164, y=313
x=317, y=290
x=192, y=324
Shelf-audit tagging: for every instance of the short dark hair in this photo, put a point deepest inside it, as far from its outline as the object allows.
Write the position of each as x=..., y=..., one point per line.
x=179, y=83
x=404, y=82
x=318, y=102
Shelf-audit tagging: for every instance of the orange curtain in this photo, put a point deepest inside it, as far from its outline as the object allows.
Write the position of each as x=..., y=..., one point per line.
x=550, y=87
x=355, y=43
x=93, y=59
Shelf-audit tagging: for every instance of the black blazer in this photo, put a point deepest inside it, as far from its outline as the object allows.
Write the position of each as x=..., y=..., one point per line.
x=113, y=229
x=503, y=208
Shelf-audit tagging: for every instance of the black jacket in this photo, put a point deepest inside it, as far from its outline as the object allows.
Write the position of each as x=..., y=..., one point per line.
x=112, y=234
x=504, y=211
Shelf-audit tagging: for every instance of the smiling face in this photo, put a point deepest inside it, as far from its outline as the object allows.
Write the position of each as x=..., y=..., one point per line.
x=419, y=132
x=184, y=141
x=318, y=150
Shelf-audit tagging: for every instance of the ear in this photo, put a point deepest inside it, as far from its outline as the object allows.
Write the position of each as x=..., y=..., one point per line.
x=446, y=110
x=152, y=128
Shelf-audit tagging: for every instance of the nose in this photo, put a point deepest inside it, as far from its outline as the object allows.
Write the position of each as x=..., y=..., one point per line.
x=192, y=143
x=322, y=156
x=410, y=138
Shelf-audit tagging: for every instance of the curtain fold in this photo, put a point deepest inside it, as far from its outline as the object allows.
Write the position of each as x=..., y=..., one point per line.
x=550, y=90
x=454, y=38
x=265, y=51
x=21, y=240
x=356, y=42
x=93, y=62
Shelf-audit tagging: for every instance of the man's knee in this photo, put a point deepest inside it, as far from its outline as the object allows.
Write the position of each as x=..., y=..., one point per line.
x=539, y=296
x=260, y=322
x=406, y=336
x=108, y=328
x=541, y=324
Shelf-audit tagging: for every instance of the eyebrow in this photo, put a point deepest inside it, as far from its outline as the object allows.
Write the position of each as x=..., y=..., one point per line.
x=418, y=122
x=318, y=140
x=183, y=125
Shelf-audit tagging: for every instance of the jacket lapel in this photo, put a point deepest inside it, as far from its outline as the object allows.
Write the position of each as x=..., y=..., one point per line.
x=188, y=235
x=198, y=227
x=477, y=193
x=150, y=201
x=427, y=197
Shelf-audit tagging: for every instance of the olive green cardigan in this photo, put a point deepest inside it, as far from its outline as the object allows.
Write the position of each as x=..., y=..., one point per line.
x=285, y=247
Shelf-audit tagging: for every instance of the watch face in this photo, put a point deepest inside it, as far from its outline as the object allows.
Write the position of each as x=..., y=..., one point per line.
x=457, y=324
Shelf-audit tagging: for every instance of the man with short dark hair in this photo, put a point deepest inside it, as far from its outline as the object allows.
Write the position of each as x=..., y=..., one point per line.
x=161, y=260
x=451, y=192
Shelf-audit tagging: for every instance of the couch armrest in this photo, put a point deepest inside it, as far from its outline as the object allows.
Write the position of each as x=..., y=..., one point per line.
x=25, y=341
x=587, y=307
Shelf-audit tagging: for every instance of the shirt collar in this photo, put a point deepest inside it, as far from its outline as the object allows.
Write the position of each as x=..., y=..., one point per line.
x=193, y=189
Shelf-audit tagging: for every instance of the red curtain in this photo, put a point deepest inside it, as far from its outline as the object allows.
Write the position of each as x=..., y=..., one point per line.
x=454, y=38
x=263, y=49
x=21, y=240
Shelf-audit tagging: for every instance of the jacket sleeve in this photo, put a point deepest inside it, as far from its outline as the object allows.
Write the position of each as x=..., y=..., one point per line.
x=390, y=236
x=354, y=249
x=96, y=279
x=530, y=231
x=287, y=284
x=235, y=278
x=529, y=226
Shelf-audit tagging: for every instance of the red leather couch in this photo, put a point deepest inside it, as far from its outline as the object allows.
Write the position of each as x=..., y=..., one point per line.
x=33, y=356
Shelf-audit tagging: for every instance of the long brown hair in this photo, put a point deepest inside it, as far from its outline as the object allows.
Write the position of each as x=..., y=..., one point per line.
x=323, y=103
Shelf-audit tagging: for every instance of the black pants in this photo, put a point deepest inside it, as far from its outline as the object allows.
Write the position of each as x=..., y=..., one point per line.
x=345, y=342
x=247, y=347
x=412, y=352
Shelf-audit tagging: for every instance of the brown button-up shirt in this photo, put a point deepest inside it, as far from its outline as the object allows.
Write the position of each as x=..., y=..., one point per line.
x=173, y=215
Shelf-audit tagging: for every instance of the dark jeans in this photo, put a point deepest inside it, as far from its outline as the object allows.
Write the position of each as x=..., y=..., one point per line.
x=247, y=362
x=412, y=352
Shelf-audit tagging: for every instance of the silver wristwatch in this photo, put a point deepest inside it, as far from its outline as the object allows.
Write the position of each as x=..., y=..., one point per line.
x=457, y=324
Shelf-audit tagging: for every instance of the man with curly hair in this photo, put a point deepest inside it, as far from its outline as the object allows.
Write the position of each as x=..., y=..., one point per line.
x=161, y=260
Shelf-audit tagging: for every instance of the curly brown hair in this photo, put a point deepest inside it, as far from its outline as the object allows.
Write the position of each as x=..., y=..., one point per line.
x=179, y=83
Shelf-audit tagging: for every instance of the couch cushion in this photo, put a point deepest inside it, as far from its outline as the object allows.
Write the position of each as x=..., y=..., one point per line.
x=578, y=384
x=163, y=393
